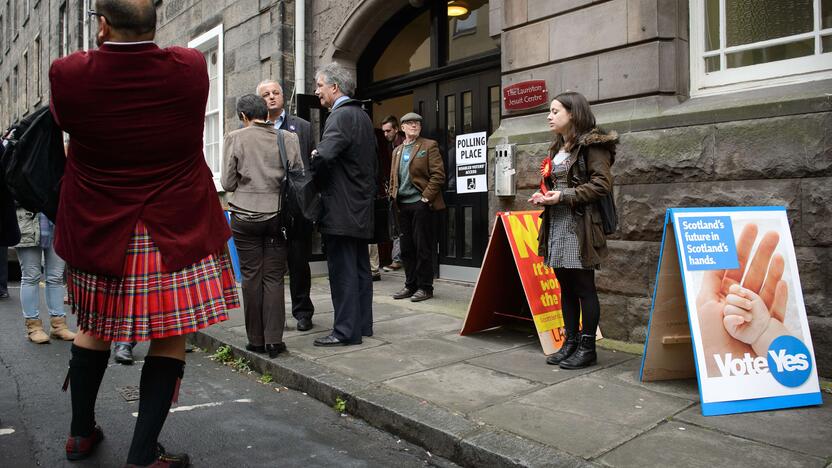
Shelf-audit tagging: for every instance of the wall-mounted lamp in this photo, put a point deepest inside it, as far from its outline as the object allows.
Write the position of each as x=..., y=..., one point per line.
x=457, y=8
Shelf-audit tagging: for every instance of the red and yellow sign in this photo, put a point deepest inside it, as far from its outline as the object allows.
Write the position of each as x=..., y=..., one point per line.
x=516, y=285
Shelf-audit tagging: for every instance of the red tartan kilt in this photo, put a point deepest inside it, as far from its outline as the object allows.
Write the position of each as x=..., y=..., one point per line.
x=149, y=303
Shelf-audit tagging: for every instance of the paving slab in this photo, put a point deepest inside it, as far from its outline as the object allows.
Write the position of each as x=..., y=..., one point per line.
x=374, y=364
x=493, y=340
x=807, y=430
x=628, y=373
x=529, y=362
x=433, y=352
x=462, y=387
x=417, y=325
x=679, y=444
x=304, y=345
x=585, y=416
x=383, y=312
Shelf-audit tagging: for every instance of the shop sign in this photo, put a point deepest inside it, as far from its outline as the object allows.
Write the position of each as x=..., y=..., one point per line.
x=525, y=95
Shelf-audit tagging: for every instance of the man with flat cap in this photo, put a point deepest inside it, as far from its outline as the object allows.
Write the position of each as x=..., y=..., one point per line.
x=417, y=173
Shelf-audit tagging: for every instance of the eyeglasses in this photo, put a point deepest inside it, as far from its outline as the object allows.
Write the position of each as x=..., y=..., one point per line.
x=97, y=14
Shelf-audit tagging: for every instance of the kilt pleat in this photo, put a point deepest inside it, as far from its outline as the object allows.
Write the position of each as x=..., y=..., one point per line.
x=149, y=303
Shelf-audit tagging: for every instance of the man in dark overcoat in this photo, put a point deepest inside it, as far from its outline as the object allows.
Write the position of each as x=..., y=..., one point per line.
x=344, y=169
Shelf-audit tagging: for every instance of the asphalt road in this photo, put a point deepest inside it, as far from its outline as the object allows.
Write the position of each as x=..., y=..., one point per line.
x=223, y=418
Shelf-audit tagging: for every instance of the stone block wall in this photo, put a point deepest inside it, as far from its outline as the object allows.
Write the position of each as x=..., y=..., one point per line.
x=258, y=41
x=770, y=161
x=609, y=50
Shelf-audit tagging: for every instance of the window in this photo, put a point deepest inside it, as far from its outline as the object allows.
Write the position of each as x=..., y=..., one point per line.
x=738, y=44
x=25, y=84
x=409, y=51
x=63, y=31
x=82, y=23
x=211, y=45
x=468, y=35
x=15, y=92
x=37, y=72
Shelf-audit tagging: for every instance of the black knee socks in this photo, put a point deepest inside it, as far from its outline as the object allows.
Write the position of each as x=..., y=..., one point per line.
x=86, y=369
x=159, y=383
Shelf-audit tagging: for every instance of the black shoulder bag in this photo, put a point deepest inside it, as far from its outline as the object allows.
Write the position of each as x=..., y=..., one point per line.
x=299, y=198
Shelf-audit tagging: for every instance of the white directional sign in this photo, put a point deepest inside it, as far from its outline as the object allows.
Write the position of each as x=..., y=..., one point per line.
x=471, y=163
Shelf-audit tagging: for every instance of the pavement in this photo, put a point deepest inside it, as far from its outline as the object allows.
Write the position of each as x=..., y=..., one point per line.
x=224, y=418
x=489, y=399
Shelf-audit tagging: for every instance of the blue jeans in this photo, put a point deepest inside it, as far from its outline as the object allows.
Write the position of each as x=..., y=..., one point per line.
x=31, y=268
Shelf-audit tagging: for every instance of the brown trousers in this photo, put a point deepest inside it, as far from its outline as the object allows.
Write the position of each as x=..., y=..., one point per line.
x=262, y=252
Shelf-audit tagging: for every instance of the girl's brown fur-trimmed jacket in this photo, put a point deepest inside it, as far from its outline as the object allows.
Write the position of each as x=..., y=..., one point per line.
x=589, y=178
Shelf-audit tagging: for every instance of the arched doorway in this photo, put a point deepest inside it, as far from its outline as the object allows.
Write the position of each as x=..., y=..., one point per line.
x=448, y=70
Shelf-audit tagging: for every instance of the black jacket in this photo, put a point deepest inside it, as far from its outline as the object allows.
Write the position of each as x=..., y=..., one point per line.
x=345, y=172
x=303, y=130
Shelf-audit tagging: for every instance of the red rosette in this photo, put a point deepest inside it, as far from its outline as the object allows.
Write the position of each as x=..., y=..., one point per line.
x=545, y=172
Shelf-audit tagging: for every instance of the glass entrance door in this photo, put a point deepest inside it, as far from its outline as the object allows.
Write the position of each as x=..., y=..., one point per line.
x=460, y=106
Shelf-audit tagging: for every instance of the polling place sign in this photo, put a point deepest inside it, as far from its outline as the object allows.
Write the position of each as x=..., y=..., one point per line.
x=728, y=308
x=471, y=162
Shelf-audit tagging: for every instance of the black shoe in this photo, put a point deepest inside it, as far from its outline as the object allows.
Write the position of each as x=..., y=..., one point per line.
x=404, y=293
x=123, y=354
x=332, y=340
x=4, y=295
x=367, y=333
x=421, y=295
x=170, y=460
x=304, y=324
x=275, y=349
x=585, y=355
x=255, y=348
x=569, y=347
x=377, y=277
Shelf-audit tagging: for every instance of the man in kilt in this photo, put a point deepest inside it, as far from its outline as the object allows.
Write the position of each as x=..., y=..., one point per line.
x=139, y=222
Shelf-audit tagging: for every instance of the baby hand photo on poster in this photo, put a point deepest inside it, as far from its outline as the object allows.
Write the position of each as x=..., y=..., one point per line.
x=730, y=320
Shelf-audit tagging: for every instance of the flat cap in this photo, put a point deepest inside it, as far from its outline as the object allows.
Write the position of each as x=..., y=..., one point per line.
x=410, y=116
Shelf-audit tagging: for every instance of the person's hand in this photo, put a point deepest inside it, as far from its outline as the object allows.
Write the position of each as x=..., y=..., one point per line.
x=550, y=198
x=748, y=319
x=536, y=199
x=762, y=277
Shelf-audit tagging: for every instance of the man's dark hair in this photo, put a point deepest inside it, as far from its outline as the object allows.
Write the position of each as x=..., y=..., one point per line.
x=392, y=120
x=135, y=17
x=253, y=107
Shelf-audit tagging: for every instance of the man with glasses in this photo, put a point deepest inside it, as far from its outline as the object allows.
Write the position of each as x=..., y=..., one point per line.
x=139, y=224
x=416, y=177
x=300, y=238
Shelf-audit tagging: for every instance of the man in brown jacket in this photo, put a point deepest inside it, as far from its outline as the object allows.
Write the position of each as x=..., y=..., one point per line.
x=417, y=174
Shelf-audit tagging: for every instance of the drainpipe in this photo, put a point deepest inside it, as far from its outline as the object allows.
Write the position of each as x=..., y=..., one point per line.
x=300, y=47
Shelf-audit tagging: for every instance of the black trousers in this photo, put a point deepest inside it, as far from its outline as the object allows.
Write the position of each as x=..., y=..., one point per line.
x=579, y=296
x=262, y=252
x=351, y=286
x=300, y=278
x=417, y=245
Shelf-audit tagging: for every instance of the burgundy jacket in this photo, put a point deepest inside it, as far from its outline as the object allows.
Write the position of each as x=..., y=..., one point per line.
x=135, y=117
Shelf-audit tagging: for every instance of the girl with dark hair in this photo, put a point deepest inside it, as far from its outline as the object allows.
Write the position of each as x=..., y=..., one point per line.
x=575, y=176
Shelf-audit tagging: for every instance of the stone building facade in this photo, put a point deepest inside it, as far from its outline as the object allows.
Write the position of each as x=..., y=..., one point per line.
x=734, y=125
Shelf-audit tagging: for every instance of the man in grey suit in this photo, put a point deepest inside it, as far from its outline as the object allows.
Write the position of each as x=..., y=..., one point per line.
x=344, y=169
x=299, y=247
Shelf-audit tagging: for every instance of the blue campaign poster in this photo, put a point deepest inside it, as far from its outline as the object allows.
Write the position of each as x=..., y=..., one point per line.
x=741, y=300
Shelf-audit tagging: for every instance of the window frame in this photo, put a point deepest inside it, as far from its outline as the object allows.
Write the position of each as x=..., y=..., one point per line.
x=203, y=43
x=802, y=69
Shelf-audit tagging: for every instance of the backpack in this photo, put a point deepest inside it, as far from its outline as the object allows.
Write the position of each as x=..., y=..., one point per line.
x=33, y=163
x=299, y=197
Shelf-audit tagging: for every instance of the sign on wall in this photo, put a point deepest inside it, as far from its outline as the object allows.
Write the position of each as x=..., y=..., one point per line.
x=525, y=95
x=728, y=307
x=471, y=162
